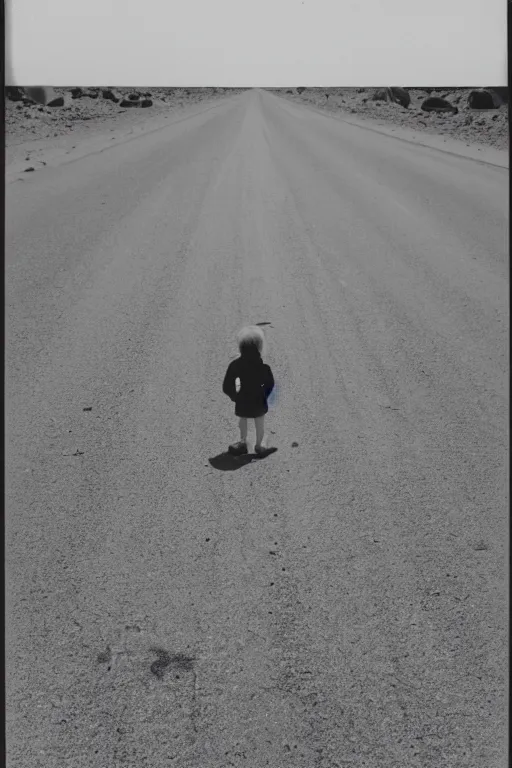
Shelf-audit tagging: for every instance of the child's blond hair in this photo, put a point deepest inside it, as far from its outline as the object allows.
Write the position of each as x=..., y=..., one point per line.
x=251, y=336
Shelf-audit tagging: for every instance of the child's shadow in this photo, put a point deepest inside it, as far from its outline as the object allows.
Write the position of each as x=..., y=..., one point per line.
x=226, y=462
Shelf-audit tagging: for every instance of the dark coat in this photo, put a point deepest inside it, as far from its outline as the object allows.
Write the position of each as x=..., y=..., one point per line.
x=256, y=384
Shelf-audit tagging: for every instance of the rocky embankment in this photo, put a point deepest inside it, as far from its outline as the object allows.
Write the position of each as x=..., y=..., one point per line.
x=473, y=115
x=66, y=110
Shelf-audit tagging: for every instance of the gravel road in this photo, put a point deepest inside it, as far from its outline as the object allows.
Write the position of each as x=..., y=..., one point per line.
x=342, y=602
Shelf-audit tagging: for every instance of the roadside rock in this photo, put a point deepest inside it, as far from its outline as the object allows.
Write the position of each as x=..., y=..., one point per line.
x=437, y=104
x=39, y=94
x=13, y=93
x=392, y=95
x=108, y=94
x=502, y=92
x=483, y=99
x=401, y=96
x=57, y=102
x=382, y=94
x=127, y=103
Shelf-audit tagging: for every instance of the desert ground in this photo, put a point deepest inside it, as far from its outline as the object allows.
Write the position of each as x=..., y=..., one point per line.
x=35, y=132
x=341, y=602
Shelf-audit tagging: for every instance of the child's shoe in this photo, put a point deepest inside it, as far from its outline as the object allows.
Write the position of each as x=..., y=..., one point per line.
x=237, y=449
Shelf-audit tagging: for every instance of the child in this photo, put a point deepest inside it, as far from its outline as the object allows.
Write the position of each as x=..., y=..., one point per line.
x=256, y=384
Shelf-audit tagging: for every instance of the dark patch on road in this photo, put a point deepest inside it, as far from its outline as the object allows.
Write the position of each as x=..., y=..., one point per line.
x=165, y=660
x=104, y=656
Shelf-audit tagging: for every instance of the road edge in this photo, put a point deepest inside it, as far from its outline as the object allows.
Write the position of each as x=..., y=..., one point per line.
x=419, y=138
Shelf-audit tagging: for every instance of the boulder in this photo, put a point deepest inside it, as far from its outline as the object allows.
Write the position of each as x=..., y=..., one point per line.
x=392, y=95
x=482, y=99
x=401, y=96
x=13, y=93
x=437, y=104
x=146, y=103
x=300, y=89
x=39, y=94
x=109, y=94
x=77, y=93
x=128, y=103
x=133, y=96
x=91, y=94
x=502, y=92
x=57, y=102
x=382, y=94
x=289, y=91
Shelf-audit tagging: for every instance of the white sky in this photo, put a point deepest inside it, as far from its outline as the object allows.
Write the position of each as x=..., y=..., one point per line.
x=260, y=43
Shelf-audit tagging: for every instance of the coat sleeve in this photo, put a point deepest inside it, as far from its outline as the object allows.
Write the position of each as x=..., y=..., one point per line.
x=229, y=386
x=269, y=383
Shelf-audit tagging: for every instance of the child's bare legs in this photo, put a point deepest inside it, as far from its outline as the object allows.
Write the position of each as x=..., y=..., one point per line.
x=243, y=430
x=239, y=448
x=260, y=431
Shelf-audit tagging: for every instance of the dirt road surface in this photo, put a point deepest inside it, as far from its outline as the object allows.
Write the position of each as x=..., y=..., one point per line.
x=339, y=603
